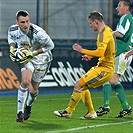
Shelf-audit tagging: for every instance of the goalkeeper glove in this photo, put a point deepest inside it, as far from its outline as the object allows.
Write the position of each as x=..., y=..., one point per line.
x=30, y=54
x=28, y=57
x=12, y=53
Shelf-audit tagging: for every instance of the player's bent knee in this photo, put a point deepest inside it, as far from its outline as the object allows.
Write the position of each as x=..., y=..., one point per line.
x=114, y=79
x=112, y=82
x=26, y=83
x=77, y=86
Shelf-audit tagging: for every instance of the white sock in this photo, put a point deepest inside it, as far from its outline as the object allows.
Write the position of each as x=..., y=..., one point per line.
x=22, y=95
x=31, y=99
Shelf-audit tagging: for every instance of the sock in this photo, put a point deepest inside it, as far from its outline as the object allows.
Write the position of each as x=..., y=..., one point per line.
x=31, y=99
x=22, y=95
x=86, y=98
x=107, y=88
x=120, y=92
x=74, y=99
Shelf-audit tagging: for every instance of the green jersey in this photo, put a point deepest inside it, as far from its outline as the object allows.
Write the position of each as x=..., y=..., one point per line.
x=124, y=27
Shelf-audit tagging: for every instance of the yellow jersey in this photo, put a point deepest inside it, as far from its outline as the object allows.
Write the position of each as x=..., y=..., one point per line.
x=105, y=40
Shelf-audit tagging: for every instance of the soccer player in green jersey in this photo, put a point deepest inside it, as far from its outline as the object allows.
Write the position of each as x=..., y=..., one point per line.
x=123, y=35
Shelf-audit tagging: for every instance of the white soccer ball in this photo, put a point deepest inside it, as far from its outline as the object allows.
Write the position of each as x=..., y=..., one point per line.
x=19, y=54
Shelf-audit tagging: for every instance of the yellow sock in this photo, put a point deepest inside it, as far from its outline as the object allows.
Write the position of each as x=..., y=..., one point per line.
x=75, y=98
x=86, y=98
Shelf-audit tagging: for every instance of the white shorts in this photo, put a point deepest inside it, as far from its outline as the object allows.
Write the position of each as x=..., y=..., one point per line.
x=38, y=70
x=121, y=63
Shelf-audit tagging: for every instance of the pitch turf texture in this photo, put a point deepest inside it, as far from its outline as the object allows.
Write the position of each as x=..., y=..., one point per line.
x=43, y=120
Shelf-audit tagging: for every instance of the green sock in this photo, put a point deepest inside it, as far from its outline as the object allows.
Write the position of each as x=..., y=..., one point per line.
x=107, y=88
x=120, y=92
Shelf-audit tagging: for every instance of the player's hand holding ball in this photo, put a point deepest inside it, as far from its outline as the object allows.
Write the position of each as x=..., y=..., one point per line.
x=21, y=55
x=30, y=54
x=77, y=47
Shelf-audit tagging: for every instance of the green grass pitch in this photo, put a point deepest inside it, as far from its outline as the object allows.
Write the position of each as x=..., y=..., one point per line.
x=42, y=119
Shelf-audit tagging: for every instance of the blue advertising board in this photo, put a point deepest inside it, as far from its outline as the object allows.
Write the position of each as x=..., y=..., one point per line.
x=62, y=75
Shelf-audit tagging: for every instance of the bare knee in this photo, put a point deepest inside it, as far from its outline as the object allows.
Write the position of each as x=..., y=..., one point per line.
x=114, y=79
x=77, y=86
x=25, y=83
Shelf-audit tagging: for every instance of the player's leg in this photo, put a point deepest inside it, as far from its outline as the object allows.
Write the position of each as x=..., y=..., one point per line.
x=37, y=77
x=79, y=87
x=33, y=93
x=82, y=84
x=86, y=98
x=120, y=92
x=118, y=87
x=107, y=88
x=92, y=79
x=74, y=99
x=101, y=76
x=22, y=93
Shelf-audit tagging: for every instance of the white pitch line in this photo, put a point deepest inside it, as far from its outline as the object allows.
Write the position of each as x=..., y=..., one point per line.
x=93, y=126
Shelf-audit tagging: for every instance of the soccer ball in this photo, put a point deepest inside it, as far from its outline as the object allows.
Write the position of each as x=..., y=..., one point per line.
x=19, y=53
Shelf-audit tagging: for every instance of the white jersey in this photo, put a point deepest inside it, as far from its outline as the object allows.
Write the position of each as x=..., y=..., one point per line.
x=35, y=38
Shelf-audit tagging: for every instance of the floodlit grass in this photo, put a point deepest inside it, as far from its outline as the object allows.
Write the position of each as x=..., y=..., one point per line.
x=42, y=119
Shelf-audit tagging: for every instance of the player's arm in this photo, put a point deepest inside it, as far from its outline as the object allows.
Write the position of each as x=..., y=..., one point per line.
x=45, y=40
x=94, y=53
x=48, y=46
x=99, y=52
x=12, y=51
x=12, y=47
x=30, y=54
x=129, y=54
x=46, y=43
x=11, y=42
x=117, y=34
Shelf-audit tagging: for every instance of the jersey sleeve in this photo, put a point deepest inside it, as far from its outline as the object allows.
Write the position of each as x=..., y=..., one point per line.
x=10, y=37
x=123, y=25
x=45, y=40
x=103, y=39
x=12, y=31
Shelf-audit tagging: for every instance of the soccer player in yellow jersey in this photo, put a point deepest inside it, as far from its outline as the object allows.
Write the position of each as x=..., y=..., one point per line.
x=99, y=74
x=123, y=34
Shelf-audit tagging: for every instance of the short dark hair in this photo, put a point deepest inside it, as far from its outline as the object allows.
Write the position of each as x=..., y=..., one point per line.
x=95, y=15
x=127, y=3
x=21, y=13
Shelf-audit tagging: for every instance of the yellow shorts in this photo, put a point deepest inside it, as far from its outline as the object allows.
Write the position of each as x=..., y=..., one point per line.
x=95, y=77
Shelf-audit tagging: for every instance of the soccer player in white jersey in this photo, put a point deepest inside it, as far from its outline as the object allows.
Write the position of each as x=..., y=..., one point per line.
x=38, y=46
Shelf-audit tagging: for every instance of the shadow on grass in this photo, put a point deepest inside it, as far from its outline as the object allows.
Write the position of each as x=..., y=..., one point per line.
x=39, y=126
